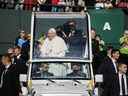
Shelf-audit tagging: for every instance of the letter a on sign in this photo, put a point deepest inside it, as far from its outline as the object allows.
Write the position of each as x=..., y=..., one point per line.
x=107, y=26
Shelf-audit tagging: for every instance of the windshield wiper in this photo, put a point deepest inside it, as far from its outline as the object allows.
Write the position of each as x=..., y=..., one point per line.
x=52, y=81
x=77, y=81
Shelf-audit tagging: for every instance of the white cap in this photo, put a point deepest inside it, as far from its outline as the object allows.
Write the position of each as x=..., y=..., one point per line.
x=52, y=30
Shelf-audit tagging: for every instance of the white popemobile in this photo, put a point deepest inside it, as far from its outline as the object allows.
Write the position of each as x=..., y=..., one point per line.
x=69, y=75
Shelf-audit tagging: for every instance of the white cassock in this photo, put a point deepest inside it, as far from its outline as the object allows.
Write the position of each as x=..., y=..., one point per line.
x=54, y=48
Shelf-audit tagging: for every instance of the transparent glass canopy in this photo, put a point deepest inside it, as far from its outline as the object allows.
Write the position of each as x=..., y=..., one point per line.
x=60, y=36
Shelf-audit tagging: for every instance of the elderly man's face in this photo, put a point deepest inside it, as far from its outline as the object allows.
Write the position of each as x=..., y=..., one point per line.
x=51, y=35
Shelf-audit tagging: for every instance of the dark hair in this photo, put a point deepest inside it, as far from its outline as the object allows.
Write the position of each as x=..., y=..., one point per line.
x=121, y=63
x=18, y=47
x=110, y=47
x=7, y=55
x=93, y=29
x=77, y=64
x=114, y=51
x=59, y=27
x=71, y=21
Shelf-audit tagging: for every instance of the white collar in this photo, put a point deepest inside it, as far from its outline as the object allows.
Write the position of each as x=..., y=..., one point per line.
x=18, y=56
x=120, y=75
x=7, y=66
x=113, y=60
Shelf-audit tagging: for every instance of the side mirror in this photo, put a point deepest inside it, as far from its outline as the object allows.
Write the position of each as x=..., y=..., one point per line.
x=98, y=78
x=23, y=77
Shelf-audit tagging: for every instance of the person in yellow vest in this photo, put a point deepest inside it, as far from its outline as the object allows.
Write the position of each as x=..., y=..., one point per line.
x=124, y=43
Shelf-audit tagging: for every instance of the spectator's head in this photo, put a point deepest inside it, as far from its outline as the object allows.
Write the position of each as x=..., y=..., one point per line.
x=11, y=52
x=44, y=67
x=126, y=33
x=115, y=54
x=93, y=33
x=109, y=50
x=122, y=67
x=108, y=1
x=75, y=67
x=98, y=37
x=99, y=1
x=72, y=24
x=59, y=28
x=6, y=59
x=28, y=36
x=51, y=33
x=22, y=34
x=17, y=51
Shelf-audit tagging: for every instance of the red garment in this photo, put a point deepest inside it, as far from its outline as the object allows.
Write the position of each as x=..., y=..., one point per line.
x=122, y=5
x=28, y=4
x=55, y=2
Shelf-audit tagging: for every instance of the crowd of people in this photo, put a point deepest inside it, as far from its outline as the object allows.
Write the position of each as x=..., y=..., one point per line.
x=100, y=49
x=108, y=4
x=44, y=5
x=12, y=64
x=112, y=64
x=62, y=5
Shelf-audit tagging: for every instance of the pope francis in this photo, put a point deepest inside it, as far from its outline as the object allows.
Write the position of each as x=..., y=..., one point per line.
x=53, y=46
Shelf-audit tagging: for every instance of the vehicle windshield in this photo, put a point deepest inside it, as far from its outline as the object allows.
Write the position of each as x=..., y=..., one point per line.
x=60, y=71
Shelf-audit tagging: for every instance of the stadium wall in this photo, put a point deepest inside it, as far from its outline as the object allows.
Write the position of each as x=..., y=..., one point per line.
x=11, y=22
x=108, y=23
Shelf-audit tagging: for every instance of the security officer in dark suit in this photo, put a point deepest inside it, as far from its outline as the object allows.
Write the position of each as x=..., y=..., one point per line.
x=9, y=78
x=109, y=68
x=120, y=81
x=20, y=61
x=74, y=38
x=1, y=70
x=43, y=71
x=76, y=71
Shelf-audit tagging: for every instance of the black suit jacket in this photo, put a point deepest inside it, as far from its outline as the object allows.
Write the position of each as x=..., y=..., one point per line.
x=1, y=70
x=11, y=84
x=116, y=86
x=79, y=74
x=20, y=65
x=107, y=66
x=19, y=60
x=108, y=71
